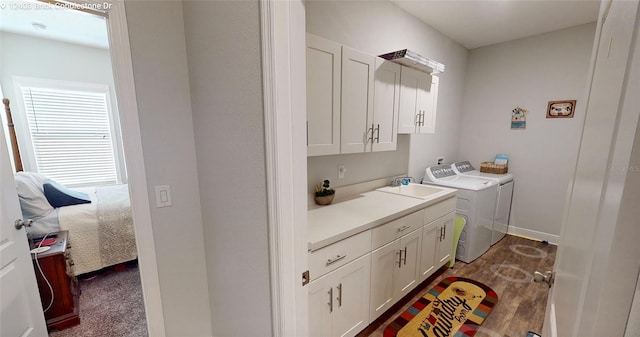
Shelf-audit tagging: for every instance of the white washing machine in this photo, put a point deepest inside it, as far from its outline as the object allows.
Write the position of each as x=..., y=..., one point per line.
x=504, y=196
x=476, y=203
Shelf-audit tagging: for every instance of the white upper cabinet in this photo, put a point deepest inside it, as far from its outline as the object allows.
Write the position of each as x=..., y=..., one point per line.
x=353, y=100
x=323, y=96
x=357, y=100
x=386, y=102
x=418, y=101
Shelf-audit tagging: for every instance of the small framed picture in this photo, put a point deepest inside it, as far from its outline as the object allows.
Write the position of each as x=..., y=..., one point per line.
x=561, y=109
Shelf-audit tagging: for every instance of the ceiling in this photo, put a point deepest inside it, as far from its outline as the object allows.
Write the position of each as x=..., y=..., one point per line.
x=478, y=23
x=473, y=23
x=19, y=16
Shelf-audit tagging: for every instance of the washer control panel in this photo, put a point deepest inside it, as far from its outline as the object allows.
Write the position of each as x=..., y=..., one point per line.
x=464, y=166
x=442, y=171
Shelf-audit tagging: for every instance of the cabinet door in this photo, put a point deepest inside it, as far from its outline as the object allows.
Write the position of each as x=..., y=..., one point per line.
x=321, y=307
x=323, y=96
x=357, y=100
x=430, y=247
x=408, y=272
x=407, y=119
x=384, y=265
x=446, y=243
x=386, y=97
x=427, y=101
x=351, y=297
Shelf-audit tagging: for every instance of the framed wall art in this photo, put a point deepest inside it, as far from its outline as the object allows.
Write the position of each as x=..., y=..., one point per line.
x=561, y=109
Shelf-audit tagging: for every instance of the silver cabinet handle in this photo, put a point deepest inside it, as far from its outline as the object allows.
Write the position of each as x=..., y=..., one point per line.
x=372, y=131
x=422, y=118
x=336, y=259
x=400, y=258
x=440, y=238
x=377, y=134
x=403, y=228
x=444, y=232
x=405, y=255
x=339, y=298
x=330, y=299
x=366, y=135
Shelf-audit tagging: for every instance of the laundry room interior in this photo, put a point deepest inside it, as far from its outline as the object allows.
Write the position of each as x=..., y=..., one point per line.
x=478, y=91
x=501, y=117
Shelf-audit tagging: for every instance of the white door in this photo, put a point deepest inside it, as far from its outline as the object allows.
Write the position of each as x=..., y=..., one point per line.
x=356, y=126
x=593, y=203
x=430, y=237
x=445, y=244
x=386, y=96
x=427, y=102
x=384, y=265
x=351, y=297
x=321, y=306
x=20, y=309
x=323, y=96
x=410, y=259
x=408, y=110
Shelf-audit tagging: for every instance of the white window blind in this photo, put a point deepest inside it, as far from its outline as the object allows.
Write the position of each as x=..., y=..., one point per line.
x=71, y=135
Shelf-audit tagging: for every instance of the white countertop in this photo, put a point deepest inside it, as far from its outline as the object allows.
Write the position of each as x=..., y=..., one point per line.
x=332, y=223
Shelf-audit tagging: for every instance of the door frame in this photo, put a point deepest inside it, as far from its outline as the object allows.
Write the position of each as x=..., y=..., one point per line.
x=283, y=35
x=122, y=65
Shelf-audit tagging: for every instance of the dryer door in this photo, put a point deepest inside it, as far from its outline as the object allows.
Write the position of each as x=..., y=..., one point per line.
x=503, y=210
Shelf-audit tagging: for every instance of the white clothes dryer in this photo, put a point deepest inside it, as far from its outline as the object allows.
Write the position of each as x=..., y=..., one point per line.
x=476, y=203
x=504, y=196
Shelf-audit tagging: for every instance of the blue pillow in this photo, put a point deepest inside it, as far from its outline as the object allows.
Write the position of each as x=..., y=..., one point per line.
x=60, y=196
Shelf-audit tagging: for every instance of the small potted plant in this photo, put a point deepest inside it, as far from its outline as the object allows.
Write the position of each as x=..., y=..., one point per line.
x=324, y=194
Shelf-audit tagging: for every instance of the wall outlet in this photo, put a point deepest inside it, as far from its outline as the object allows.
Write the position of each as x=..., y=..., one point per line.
x=341, y=171
x=440, y=160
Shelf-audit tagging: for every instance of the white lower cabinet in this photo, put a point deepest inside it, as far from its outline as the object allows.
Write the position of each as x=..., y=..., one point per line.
x=356, y=279
x=437, y=245
x=339, y=300
x=394, y=271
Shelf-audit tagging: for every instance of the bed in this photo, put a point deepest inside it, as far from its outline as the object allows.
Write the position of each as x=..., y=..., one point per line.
x=101, y=232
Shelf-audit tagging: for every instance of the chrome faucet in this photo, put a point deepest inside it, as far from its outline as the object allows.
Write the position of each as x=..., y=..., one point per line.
x=397, y=181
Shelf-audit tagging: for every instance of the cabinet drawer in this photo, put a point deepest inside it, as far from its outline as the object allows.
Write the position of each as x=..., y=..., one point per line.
x=439, y=210
x=338, y=254
x=386, y=233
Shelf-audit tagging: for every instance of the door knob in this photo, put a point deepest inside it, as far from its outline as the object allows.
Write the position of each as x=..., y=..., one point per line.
x=548, y=277
x=22, y=223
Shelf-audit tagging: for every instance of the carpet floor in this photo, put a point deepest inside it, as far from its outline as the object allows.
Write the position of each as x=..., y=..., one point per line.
x=111, y=305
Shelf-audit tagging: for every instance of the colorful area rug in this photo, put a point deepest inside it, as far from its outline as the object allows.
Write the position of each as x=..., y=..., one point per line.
x=456, y=307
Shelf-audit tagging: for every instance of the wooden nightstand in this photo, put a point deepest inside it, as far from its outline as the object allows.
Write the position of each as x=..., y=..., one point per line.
x=56, y=266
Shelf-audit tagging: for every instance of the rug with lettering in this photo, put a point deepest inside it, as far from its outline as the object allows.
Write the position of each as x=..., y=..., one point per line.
x=456, y=307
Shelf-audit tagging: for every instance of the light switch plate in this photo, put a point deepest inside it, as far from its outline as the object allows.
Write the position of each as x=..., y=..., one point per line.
x=163, y=196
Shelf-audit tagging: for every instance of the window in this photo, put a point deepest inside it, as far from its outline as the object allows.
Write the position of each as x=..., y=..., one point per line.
x=71, y=132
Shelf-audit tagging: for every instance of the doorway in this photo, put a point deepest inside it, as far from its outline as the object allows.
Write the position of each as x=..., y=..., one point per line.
x=49, y=51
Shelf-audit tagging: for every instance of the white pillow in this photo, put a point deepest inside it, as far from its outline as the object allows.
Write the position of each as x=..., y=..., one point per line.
x=33, y=203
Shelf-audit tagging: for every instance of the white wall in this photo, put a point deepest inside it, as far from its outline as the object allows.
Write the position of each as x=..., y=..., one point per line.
x=28, y=56
x=224, y=56
x=157, y=37
x=529, y=72
x=378, y=27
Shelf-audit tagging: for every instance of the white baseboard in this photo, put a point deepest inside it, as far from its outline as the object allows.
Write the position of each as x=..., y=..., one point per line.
x=535, y=235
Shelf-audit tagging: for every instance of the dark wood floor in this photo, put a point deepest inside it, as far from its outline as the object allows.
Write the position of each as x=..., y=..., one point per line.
x=521, y=302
